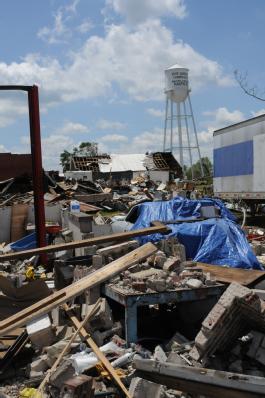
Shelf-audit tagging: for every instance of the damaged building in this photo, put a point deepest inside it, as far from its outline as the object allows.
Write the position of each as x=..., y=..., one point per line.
x=160, y=167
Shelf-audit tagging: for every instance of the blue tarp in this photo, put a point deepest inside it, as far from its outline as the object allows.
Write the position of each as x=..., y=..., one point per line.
x=218, y=241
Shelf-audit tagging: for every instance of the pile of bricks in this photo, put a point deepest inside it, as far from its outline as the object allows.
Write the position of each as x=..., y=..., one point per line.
x=239, y=308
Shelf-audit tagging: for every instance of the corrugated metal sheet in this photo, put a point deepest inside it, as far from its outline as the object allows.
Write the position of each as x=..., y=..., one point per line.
x=126, y=162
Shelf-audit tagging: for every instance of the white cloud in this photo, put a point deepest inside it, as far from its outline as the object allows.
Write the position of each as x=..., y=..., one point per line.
x=60, y=30
x=138, y=11
x=222, y=117
x=104, y=124
x=219, y=118
x=72, y=128
x=11, y=109
x=3, y=148
x=258, y=113
x=120, y=58
x=52, y=147
x=85, y=26
x=155, y=112
x=114, y=138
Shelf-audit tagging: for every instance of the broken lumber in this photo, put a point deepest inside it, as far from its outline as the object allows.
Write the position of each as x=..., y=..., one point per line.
x=201, y=381
x=90, y=314
x=75, y=289
x=158, y=228
x=245, y=277
x=101, y=357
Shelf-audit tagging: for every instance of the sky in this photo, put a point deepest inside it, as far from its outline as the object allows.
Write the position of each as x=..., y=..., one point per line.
x=99, y=65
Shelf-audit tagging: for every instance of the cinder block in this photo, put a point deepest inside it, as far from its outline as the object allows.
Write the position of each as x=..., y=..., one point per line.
x=140, y=388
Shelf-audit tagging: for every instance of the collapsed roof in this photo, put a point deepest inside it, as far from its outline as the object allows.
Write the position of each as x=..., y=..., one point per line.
x=127, y=162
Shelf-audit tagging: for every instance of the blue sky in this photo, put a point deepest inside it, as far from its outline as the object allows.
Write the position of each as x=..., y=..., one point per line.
x=100, y=68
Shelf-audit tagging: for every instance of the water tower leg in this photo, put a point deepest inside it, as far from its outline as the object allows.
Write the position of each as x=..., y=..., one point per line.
x=180, y=135
x=188, y=138
x=171, y=126
x=196, y=136
x=165, y=126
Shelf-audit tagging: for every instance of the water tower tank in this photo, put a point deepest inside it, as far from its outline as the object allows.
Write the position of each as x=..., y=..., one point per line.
x=177, y=83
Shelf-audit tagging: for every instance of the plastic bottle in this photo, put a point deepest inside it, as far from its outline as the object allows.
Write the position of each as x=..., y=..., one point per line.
x=74, y=206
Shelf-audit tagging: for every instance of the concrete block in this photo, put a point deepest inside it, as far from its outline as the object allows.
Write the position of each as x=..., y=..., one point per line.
x=54, y=351
x=102, y=320
x=40, y=332
x=159, y=354
x=157, y=284
x=64, y=372
x=147, y=273
x=118, y=249
x=97, y=261
x=39, y=365
x=194, y=283
x=140, y=388
x=160, y=259
x=172, y=264
x=139, y=285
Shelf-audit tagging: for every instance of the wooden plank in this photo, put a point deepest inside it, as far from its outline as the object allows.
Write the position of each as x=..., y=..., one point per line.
x=90, y=314
x=94, y=197
x=101, y=357
x=201, y=381
x=121, y=237
x=18, y=221
x=75, y=289
x=245, y=277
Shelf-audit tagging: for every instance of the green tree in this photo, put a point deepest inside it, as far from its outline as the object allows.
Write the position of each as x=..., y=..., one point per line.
x=196, y=167
x=65, y=158
x=88, y=148
x=84, y=148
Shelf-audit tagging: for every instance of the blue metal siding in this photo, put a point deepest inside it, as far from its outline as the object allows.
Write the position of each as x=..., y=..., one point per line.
x=233, y=160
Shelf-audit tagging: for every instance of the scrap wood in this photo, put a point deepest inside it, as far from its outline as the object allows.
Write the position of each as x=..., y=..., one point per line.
x=34, y=290
x=101, y=357
x=19, y=216
x=76, y=289
x=89, y=315
x=245, y=277
x=120, y=237
x=5, y=202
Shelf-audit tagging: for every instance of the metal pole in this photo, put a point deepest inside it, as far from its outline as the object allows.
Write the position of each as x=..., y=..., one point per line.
x=165, y=126
x=196, y=136
x=37, y=171
x=188, y=137
x=180, y=135
x=171, y=126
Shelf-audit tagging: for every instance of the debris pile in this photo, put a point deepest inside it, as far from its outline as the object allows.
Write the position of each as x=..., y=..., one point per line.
x=125, y=305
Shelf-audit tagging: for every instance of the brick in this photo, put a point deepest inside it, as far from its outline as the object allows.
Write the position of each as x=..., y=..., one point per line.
x=237, y=308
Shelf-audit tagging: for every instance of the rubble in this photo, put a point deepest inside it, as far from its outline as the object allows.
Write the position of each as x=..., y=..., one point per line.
x=104, y=303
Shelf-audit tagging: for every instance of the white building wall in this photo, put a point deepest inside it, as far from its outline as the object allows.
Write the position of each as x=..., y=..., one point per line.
x=159, y=176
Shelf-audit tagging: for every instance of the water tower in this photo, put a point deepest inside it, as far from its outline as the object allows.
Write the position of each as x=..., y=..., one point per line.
x=177, y=96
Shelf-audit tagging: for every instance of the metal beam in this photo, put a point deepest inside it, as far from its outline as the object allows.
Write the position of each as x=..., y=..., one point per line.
x=37, y=173
x=200, y=381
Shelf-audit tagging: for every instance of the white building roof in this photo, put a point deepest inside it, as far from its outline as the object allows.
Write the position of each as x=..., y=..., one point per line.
x=125, y=162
